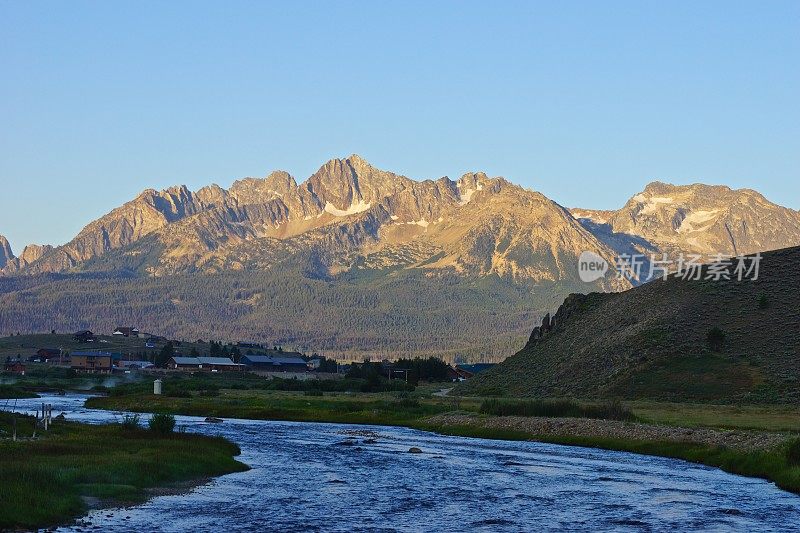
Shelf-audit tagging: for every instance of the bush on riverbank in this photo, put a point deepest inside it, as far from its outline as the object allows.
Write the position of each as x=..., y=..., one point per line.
x=556, y=408
x=162, y=423
x=43, y=480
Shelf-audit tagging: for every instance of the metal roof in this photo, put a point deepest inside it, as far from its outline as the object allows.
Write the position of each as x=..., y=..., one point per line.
x=204, y=361
x=216, y=361
x=186, y=360
x=266, y=359
x=94, y=354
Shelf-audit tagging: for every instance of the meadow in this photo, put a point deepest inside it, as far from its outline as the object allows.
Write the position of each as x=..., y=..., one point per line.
x=56, y=477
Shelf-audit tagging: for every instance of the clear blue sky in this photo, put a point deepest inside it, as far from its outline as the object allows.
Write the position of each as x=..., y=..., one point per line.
x=584, y=101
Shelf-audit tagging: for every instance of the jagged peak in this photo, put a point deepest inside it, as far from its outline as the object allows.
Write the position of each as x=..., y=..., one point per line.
x=6, y=254
x=356, y=159
x=33, y=252
x=177, y=190
x=274, y=177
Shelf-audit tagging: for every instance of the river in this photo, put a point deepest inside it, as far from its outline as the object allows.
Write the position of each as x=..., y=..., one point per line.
x=302, y=479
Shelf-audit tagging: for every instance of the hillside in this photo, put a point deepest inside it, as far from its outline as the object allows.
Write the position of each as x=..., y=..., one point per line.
x=650, y=342
x=404, y=314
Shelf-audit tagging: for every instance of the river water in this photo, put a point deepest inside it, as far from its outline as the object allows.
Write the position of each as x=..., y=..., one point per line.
x=302, y=479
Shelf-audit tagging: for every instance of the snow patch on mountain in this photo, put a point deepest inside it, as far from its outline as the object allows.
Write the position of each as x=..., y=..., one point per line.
x=358, y=207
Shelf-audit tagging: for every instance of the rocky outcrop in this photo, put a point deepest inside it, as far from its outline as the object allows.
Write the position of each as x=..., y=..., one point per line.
x=6, y=254
x=32, y=253
x=572, y=304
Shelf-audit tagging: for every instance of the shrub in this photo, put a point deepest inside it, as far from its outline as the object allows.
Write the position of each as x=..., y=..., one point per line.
x=715, y=339
x=407, y=403
x=178, y=394
x=131, y=421
x=313, y=392
x=162, y=423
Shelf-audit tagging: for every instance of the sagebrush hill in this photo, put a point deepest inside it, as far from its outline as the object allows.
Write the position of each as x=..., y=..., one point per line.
x=662, y=341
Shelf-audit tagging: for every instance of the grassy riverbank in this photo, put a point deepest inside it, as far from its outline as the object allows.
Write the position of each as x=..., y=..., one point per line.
x=54, y=478
x=746, y=440
x=12, y=392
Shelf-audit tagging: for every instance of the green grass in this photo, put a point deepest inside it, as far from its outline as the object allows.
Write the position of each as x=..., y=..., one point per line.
x=702, y=377
x=44, y=480
x=14, y=391
x=755, y=417
x=397, y=408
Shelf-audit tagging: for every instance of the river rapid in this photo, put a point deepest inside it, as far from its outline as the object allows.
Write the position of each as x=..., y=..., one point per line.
x=303, y=478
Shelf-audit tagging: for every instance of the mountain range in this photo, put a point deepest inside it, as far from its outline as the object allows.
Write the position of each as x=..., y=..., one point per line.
x=350, y=229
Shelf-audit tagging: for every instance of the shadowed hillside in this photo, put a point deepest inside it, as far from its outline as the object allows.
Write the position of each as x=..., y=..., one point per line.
x=656, y=342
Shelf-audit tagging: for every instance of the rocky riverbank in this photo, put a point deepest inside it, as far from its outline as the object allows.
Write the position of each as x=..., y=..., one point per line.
x=740, y=440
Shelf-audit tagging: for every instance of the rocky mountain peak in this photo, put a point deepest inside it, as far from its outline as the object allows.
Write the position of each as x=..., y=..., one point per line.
x=6, y=254
x=352, y=185
x=211, y=195
x=33, y=252
x=706, y=219
x=470, y=183
x=277, y=184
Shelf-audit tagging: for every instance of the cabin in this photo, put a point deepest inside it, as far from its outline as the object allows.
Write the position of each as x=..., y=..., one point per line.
x=184, y=363
x=84, y=335
x=14, y=366
x=270, y=363
x=126, y=332
x=92, y=362
x=202, y=363
x=49, y=355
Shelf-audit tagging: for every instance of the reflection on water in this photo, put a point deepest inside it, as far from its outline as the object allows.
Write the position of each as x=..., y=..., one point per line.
x=304, y=479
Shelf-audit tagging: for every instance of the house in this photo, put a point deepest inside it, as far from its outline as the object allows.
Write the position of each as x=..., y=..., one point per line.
x=270, y=363
x=15, y=366
x=202, y=363
x=184, y=363
x=467, y=371
x=126, y=332
x=95, y=361
x=49, y=355
x=83, y=335
x=314, y=364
